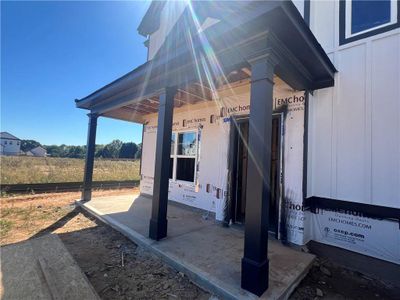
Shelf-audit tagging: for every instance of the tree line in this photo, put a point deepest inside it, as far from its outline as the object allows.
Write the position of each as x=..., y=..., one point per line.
x=115, y=149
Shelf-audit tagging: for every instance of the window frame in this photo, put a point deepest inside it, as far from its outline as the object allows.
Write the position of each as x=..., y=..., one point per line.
x=345, y=35
x=175, y=156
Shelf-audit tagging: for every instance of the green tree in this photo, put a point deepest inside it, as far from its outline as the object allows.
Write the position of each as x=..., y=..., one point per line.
x=27, y=145
x=99, y=151
x=112, y=149
x=138, y=153
x=55, y=150
x=128, y=150
x=76, y=151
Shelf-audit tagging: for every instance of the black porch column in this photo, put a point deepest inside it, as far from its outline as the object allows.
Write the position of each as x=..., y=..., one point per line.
x=89, y=160
x=255, y=264
x=158, y=222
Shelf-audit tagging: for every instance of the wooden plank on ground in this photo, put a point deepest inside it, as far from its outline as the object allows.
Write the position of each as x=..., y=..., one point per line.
x=42, y=268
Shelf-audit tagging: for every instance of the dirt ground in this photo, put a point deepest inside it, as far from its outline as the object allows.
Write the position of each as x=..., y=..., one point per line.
x=115, y=266
x=118, y=269
x=327, y=280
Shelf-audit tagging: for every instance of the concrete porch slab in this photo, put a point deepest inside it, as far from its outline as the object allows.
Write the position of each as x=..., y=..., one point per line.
x=200, y=248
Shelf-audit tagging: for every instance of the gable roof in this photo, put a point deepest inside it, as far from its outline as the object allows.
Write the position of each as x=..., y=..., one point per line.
x=207, y=8
x=247, y=29
x=151, y=20
x=6, y=135
x=38, y=148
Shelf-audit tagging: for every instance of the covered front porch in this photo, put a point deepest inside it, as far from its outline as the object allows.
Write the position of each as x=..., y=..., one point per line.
x=201, y=248
x=257, y=43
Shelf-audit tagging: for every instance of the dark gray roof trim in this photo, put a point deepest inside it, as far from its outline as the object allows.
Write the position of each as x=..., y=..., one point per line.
x=151, y=20
x=125, y=79
x=255, y=28
x=305, y=30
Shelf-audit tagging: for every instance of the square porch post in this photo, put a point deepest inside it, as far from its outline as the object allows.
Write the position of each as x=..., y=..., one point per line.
x=158, y=221
x=255, y=263
x=89, y=159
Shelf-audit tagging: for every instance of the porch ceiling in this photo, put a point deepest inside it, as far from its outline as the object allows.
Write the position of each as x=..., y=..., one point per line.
x=186, y=95
x=197, y=62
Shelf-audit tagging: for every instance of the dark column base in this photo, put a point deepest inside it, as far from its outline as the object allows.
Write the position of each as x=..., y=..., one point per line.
x=225, y=224
x=86, y=194
x=158, y=229
x=255, y=276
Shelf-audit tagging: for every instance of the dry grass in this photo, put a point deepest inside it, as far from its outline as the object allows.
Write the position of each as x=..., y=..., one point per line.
x=23, y=216
x=19, y=169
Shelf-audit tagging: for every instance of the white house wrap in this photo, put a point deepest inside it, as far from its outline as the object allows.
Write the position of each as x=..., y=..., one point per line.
x=335, y=146
x=346, y=229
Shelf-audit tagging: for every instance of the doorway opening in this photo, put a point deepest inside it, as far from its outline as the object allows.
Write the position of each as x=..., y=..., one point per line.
x=239, y=161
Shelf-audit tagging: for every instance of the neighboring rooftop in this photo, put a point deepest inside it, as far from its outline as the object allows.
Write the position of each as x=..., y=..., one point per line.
x=37, y=148
x=6, y=135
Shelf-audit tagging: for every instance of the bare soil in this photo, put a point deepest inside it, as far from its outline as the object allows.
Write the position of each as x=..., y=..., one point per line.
x=118, y=269
x=114, y=265
x=24, y=216
x=327, y=280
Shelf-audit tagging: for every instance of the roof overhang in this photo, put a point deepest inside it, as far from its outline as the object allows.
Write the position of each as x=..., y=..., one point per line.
x=261, y=28
x=151, y=20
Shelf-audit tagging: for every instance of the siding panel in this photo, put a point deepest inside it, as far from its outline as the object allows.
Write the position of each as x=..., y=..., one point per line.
x=321, y=139
x=322, y=23
x=385, y=122
x=350, y=125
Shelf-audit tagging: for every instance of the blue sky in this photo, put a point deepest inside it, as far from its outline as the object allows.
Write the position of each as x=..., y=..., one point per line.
x=55, y=52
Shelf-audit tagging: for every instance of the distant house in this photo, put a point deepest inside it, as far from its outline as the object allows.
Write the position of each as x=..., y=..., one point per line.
x=10, y=145
x=37, y=151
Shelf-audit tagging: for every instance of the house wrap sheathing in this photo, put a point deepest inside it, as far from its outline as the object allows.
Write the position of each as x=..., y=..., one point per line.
x=344, y=228
x=340, y=178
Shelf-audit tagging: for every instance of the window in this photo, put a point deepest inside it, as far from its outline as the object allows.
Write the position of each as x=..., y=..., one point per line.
x=363, y=18
x=366, y=15
x=171, y=163
x=183, y=156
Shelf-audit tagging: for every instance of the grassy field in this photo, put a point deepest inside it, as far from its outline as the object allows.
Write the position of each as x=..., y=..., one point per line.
x=20, y=169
